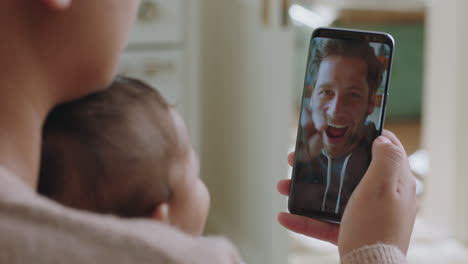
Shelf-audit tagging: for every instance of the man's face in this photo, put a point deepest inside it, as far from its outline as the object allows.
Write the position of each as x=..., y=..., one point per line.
x=340, y=103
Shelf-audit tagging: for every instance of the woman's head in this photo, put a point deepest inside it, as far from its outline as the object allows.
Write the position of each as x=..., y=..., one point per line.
x=75, y=44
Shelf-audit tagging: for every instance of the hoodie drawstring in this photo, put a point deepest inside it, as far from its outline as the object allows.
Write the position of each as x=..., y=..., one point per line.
x=328, y=181
x=343, y=170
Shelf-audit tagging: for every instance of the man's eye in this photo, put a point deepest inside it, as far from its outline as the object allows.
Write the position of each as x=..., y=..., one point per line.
x=325, y=92
x=356, y=95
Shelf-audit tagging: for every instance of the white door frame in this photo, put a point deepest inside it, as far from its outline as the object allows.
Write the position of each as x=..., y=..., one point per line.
x=445, y=119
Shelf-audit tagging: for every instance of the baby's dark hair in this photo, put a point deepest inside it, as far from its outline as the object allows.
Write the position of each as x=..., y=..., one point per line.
x=110, y=152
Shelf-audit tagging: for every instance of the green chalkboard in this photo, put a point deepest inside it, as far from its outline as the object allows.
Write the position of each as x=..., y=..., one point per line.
x=405, y=90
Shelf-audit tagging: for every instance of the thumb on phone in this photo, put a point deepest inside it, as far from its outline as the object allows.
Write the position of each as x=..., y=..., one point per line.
x=389, y=166
x=387, y=157
x=383, y=207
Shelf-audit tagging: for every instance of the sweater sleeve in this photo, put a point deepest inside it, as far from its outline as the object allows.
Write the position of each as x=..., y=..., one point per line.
x=36, y=230
x=375, y=254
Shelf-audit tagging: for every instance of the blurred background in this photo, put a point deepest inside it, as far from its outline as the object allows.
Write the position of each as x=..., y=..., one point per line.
x=235, y=69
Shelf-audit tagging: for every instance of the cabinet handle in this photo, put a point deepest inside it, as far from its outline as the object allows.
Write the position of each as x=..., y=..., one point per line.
x=154, y=69
x=285, y=12
x=284, y=16
x=148, y=12
x=266, y=12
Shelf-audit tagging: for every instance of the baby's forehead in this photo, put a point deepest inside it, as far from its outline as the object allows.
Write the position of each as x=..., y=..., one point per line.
x=181, y=130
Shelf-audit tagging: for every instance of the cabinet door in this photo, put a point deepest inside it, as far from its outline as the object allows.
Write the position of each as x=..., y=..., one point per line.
x=158, y=22
x=161, y=69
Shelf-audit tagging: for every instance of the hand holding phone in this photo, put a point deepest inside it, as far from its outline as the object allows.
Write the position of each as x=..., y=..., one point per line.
x=312, y=139
x=342, y=113
x=382, y=209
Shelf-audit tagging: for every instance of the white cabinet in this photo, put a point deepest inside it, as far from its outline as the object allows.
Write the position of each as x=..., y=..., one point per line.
x=159, y=22
x=162, y=69
x=163, y=51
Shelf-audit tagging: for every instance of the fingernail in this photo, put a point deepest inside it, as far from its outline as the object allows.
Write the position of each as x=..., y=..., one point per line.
x=63, y=3
x=383, y=140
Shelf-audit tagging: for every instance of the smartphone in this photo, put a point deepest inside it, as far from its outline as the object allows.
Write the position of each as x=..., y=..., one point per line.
x=342, y=112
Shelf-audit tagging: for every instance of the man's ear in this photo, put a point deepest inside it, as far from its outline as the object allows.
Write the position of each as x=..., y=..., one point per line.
x=371, y=106
x=57, y=4
x=161, y=213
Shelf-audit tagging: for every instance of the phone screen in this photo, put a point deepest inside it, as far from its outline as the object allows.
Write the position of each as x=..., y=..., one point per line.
x=342, y=112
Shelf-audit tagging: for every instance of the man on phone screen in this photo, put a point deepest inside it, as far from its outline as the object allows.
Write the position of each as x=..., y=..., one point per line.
x=336, y=137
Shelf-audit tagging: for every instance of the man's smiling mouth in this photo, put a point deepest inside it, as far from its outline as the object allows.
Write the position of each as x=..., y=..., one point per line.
x=336, y=130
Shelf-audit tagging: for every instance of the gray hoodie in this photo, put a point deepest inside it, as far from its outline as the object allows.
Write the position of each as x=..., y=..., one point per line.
x=327, y=183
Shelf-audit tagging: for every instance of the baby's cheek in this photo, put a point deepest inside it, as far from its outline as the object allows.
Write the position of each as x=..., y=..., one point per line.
x=203, y=198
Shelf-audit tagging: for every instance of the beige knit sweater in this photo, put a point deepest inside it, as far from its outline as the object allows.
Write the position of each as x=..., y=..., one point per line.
x=36, y=230
x=375, y=254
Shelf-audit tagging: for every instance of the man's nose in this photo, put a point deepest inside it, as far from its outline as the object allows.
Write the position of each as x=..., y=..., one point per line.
x=335, y=107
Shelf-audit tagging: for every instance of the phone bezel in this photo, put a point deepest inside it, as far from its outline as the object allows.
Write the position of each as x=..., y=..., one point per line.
x=338, y=33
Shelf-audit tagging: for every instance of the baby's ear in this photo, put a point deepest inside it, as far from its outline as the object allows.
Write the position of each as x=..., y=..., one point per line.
x=57, y=4
x=161, y=213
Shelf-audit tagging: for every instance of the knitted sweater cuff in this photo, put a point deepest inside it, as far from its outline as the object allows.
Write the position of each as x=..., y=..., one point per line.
x=375, y=254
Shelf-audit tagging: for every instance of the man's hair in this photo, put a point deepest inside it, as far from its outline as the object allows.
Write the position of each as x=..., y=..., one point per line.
x=325, y=47
x=111, y=151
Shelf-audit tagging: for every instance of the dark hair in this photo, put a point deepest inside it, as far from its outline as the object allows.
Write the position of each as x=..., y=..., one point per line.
x=325, y=47
x=110, y=152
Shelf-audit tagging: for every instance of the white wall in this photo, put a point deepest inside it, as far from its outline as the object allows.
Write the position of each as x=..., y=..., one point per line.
x=247, y=112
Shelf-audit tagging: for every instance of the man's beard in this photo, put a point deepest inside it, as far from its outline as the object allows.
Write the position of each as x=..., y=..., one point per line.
x=353, y=140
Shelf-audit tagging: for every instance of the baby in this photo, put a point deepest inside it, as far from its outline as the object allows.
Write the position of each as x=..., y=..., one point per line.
x=124, y=151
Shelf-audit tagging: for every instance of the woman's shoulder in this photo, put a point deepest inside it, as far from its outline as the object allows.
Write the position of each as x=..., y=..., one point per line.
x=42, y=231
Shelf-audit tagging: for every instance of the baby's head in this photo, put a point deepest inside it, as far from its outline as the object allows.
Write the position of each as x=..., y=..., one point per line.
x=124, y=151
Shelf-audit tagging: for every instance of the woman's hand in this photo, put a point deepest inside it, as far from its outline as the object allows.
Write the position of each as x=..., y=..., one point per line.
x=383, y=207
